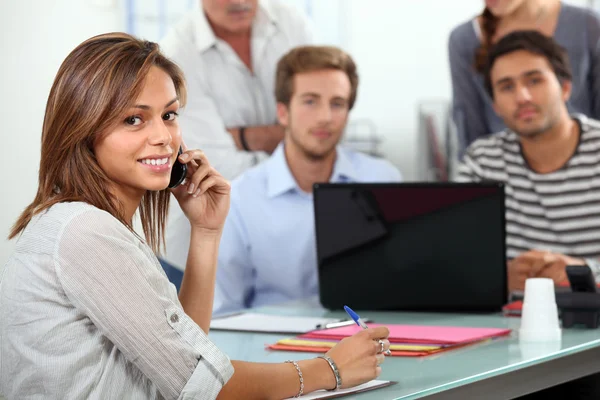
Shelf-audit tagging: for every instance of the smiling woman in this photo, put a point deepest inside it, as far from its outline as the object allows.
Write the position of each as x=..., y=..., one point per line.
x=86, y=311
x=147, y=136
x=108, y=83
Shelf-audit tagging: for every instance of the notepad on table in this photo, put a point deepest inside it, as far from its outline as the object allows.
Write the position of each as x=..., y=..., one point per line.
x=266, y=323
x=371, y=385
x=396, y=350
x=405, y=340
x=513, y=309
x=311, y=349
x=415, y=333
x=323, y=346
x=330, y=344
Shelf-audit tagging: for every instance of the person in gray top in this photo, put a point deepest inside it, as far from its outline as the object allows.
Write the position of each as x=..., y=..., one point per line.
x=86, y=311
x=574, y=28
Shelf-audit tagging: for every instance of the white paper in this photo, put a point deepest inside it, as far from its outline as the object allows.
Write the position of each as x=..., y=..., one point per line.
x=255, y=322
x=323, y=394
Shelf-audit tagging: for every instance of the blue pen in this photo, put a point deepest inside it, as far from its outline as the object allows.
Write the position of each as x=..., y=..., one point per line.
x=360, y=323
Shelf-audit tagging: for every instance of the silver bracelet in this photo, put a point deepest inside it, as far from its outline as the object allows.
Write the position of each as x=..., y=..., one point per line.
x=301, y=392
x=336, y=372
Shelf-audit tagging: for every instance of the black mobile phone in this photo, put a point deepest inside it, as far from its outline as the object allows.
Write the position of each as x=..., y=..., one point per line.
x=581, y=278
x=178, y=172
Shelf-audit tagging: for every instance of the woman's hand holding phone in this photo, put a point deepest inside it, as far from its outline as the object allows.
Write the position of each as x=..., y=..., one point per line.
x=204, y=195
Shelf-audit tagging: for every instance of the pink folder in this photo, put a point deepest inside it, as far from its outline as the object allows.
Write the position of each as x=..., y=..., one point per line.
x=415, y=333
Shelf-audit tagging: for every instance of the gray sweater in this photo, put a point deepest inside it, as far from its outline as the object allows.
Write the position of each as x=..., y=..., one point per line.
x=578, y=31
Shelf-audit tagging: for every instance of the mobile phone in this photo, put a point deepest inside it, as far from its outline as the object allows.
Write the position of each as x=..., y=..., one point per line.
x=581, y=278
x=178, y=172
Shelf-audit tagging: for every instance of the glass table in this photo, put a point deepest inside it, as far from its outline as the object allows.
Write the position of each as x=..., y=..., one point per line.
x=496, y=369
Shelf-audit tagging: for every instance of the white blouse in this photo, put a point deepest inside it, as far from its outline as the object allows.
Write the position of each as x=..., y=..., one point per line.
x=86, y=311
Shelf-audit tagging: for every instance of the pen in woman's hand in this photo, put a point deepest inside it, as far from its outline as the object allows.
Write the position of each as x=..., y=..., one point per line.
x=361, y=323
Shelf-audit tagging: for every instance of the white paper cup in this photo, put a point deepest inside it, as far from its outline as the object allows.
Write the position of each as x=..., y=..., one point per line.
x=539, y=290
x=539, y=316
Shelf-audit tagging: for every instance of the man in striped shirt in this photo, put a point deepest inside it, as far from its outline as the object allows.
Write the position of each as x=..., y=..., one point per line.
x=548, y=160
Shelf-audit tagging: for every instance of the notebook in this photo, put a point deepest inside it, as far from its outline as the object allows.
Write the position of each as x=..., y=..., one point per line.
x=331, y=343
x=415, y=333
x=316, y=349
x=255, y=322
x=513, y=309
x=405, y=340
x=365, y=387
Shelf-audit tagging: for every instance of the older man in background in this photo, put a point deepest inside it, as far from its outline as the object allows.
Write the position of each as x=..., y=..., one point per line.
x=228, y=51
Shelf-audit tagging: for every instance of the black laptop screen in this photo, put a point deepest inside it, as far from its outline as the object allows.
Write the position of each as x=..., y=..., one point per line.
x=427, y=246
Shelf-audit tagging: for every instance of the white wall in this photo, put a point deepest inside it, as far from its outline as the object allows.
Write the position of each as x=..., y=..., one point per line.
x=401, y=50
x=35, y=36
x=400, y=47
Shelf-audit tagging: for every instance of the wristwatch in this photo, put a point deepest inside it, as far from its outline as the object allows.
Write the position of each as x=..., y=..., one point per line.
x=243, y=141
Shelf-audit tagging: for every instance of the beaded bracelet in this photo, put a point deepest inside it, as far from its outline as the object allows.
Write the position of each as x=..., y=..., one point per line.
x=336, y=372
x=301, y=392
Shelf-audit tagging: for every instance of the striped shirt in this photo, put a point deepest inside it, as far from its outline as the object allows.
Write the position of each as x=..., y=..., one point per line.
x=557, y=211
x=86, y=312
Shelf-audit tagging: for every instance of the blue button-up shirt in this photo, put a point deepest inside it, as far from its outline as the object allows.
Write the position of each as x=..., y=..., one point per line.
x=268, y=251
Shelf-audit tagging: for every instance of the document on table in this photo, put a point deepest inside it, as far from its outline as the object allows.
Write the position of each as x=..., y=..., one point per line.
x=255, y=322
x=324, y=394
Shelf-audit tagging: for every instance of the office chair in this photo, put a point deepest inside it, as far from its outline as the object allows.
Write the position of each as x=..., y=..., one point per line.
x=174, y=274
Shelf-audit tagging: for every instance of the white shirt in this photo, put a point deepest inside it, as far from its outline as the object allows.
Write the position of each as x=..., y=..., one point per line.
x=223, y=93
x=86, y=312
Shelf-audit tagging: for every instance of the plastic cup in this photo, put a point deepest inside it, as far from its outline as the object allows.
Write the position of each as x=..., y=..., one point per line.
x=539, y=316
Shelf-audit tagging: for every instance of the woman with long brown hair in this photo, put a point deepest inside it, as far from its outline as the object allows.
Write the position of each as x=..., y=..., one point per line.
x=85, y=309
x=576, y=29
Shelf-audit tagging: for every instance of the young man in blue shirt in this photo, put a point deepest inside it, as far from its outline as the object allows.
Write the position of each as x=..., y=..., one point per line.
x=267, y=253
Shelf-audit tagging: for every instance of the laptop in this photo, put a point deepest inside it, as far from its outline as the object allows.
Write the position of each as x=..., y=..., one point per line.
x=411, y=246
